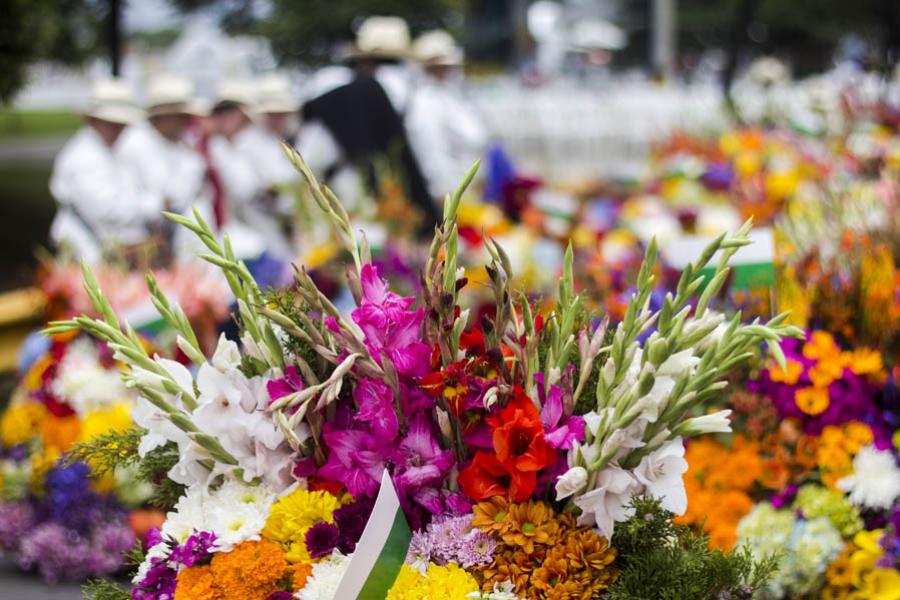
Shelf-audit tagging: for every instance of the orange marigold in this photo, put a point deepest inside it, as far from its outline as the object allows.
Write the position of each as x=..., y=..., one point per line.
x=251, y=571
x=197, y=583
x=300, y=572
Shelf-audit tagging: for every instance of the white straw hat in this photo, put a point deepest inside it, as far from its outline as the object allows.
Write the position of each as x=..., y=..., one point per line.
x=236, y=91
x=274, y=95
x=437, y=48
x=382, y=37
x=169, y=94
x=112, y=101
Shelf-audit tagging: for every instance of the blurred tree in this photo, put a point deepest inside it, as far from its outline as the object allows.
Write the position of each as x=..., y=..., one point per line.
x=306, y=30
x=65, y=31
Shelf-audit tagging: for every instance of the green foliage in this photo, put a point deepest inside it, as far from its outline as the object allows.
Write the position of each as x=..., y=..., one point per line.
x=65, y=31
x=101, y=589
x=287, y=303
x=16, y=123
x=661, y=560
x=107, y=451
x=153, y=468
x=120, y=449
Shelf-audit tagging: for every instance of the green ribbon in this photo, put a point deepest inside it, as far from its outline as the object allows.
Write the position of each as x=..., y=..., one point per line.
x=390, y=560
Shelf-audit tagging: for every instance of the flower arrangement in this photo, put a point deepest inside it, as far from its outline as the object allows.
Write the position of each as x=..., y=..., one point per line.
x=518, y=445
x=54, y=517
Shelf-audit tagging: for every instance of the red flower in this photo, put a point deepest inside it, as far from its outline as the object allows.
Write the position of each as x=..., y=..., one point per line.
x=520, y=451
x=472, y=342
x=519, y=435
x=486, y=477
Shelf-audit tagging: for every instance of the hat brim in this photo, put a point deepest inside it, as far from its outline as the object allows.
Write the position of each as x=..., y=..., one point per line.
x=176, y=108
x=357, y=54
x=120, y=115
x=276, y=106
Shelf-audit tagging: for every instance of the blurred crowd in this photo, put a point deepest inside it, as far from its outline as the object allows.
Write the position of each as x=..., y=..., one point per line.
x=393, y=115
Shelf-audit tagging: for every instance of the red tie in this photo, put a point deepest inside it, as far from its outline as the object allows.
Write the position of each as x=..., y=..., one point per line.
x=220, y=201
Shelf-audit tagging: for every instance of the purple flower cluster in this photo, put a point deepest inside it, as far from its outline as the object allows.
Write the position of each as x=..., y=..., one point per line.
x=16, y=518
x=70, y=532
x=365, y=437
x=57, y=552
x=349, y=521
x=851, y=397
x=890, y=543
x=451, y=540
x=160, y=579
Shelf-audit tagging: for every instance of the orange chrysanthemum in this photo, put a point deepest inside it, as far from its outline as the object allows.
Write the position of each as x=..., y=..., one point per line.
x=490, y=516
x=530, y=523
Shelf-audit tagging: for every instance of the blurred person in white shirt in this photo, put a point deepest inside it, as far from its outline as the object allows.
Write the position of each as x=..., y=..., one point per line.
x=446, y=133
x=156, y=151
x=100, y=204
x=276, y=121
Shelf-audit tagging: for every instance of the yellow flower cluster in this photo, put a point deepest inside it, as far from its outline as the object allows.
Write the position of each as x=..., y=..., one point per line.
x=293, y=515
x=21, y=423
x=438, y=583
x=855, y=576
x=838, y=444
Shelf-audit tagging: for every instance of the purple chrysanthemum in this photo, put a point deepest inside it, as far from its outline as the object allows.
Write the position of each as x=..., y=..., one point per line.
x=16, y=518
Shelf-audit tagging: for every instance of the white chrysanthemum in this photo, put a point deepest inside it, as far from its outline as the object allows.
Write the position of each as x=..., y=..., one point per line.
x=325, y=579
x=84, y=383
x=875, y=482
x=235, y=522
x=160, y=550
x=187, y=516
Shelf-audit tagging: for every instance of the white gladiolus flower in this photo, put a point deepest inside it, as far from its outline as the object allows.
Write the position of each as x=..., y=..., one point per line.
x=661, y=473
x=608, y=503
x=227, y=356
x=718, y=422
x=875, y=482
x=571, y=482
x=679, y=363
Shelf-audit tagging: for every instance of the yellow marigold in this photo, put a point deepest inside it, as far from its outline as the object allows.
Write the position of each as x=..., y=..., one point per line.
x=22, y=422
x=840, y=572
x=856, y=436
x=827, y=370
x=530, y=523
x=197, y=583
x=251, y=571
x=60, y=432
x=438, y=583
x=812, y=400
x=292, y=515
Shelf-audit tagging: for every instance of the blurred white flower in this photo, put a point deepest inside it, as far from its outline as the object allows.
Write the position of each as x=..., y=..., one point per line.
x=875, y=482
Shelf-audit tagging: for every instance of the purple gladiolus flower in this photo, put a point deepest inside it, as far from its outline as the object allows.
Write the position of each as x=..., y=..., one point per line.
x=560, y=431
x=287, y=385
x=354, y=459
x=376, y=407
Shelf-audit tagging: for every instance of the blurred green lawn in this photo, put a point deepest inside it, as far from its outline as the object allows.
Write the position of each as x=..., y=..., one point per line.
x=15, y=123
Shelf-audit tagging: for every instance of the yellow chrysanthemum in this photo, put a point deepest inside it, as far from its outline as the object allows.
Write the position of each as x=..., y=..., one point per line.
x=293, y=515
x=864, y=361
x=22, y=422
x=98, y=422
x=856, y=436
x=438, y=583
